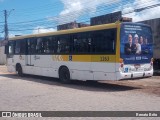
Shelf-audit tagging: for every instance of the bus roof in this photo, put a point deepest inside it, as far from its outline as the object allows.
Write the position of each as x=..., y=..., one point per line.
x=76, y=30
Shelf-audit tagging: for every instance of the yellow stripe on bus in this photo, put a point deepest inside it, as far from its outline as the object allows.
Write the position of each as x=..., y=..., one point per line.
x=85, y=58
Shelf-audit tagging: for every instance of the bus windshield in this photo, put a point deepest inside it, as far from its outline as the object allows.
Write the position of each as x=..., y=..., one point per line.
x=136, y=43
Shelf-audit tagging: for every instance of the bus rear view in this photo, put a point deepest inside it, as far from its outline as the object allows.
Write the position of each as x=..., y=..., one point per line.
x=136, y=51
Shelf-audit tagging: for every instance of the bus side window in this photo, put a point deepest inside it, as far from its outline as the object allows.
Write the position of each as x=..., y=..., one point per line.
x=111, y=38
x=39, y=46
x=76, y=45
x=28, y=47
x=49, y=45
x=32, y=45
x=11, y=47
x=17, y=47
x=63, y=44
x=104, y=41
x=55, y=44
x=82, y=43
x=23, y=47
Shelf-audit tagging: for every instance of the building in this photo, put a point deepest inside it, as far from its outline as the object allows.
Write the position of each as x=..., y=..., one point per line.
x=2, y=55
x=155, y=25
x=108, y=18
x=71, y=25
x=2, y=50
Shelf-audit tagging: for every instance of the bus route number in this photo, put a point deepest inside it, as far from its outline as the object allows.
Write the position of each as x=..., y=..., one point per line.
x=104, y=58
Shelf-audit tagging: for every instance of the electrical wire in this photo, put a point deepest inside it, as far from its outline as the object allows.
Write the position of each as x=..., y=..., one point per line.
x=81, y=19
x=44, y=21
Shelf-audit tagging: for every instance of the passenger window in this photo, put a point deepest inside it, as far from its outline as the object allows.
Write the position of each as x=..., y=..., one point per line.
x=49, y=45
x=104, y=41
x=23, y=47
x=11, y=47
x=82, y=43
x=17, y=47
x=63, y=44
x=39, y=46
x=31, y=43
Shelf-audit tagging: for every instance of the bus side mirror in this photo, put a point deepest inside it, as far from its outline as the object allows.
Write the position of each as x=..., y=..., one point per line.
x=6, y=49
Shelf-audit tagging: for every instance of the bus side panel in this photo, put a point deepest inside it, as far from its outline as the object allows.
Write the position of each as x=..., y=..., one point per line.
x=78, y=65
x=81, y=70
x=107, y=73
x=103, y=67
x=10, y=65
x=41, y=65
x=17, y=59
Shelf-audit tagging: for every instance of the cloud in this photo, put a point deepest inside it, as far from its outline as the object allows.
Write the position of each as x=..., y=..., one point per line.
x=76, y=9
x=41, y=29
x=145, y=14
x=73, y=9
x=1, y=0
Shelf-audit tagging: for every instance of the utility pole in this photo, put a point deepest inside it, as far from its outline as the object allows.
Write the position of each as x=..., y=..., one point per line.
x=6, y=15
x=5, y=25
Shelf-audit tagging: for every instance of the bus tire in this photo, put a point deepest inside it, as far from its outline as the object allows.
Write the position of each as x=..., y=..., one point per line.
x=19, y=70
x=64, y=75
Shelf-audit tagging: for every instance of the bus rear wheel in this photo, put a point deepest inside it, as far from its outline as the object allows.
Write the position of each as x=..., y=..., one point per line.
x=19, y=70
x=64, y=75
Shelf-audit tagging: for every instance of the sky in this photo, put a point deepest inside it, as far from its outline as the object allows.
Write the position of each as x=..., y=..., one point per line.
x=39, y=16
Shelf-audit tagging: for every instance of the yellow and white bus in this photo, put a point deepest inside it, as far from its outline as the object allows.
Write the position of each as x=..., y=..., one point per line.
x=103, y=52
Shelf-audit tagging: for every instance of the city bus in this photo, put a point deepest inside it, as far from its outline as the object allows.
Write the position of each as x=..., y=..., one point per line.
x=115, y=51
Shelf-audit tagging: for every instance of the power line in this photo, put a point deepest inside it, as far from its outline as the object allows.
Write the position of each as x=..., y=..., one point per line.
x=56, y=5
x=148, y=7
x=144, y=8
x=42, y=23
x=45, y=19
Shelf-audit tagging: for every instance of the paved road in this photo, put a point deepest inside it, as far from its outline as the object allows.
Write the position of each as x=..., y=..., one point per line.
x=33, y=93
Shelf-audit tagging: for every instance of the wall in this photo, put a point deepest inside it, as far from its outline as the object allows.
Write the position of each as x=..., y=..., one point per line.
x=2, y=56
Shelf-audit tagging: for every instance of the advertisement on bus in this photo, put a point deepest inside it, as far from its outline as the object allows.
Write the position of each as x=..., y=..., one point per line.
x=136, y=44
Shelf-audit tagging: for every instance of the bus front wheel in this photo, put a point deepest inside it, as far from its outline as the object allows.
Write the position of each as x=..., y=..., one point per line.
x=64, y=75
x=19, y=70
